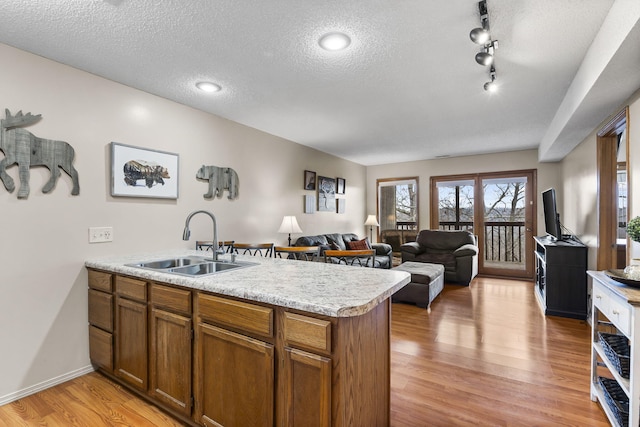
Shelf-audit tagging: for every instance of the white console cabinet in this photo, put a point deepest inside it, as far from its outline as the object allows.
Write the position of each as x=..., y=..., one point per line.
x=615, y=310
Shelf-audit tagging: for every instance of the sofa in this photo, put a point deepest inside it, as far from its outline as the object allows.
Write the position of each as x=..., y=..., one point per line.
x=456, y=250
x=341, y=241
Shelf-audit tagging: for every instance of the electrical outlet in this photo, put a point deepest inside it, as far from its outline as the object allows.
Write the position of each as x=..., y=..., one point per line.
x=100, y=234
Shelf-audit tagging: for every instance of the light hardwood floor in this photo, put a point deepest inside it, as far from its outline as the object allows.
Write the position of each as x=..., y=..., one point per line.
x=484, y=356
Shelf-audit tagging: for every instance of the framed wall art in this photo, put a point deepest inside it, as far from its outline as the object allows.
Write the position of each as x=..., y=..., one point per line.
x=309, y=180
x=141, y=172
x=309, y=203
x=341, y=184
x=326, y=194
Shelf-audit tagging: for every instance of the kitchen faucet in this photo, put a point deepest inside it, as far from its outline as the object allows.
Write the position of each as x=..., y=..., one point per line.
x=186, y=233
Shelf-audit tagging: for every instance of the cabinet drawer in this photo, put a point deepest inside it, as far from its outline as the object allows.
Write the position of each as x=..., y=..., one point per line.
x=101, y=310
x=614, y=307
x=307, y=332
x=620, y=314
x=248, y=317
x=131, y=288
x=170, y=298
x=101, y=348
x=99, y=280
x=600, y=297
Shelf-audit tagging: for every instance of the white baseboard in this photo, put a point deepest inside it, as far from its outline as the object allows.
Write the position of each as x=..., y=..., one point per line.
x=11, y=397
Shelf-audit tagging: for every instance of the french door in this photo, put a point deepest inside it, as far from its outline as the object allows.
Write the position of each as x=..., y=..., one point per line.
x=497, y=207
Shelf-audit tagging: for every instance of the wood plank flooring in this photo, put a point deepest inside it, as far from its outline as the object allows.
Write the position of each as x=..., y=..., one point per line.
x=484, y=356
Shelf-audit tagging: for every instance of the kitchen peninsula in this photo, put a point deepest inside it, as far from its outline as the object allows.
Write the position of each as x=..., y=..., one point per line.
x=282, y=342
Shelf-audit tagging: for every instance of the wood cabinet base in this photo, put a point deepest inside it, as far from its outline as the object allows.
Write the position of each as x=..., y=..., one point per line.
x=212, y=360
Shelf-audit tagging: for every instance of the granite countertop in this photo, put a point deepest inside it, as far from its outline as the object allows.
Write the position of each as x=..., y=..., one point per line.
x=631, y=294
x=315, y=287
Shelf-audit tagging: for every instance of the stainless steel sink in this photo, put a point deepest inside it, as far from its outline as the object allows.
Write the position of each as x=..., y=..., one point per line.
x=191, y=266
x=205, y=268
x=170, y=263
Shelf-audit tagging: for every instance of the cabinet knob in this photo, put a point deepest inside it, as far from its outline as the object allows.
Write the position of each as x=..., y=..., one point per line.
x=616, y=312
x=598, y=296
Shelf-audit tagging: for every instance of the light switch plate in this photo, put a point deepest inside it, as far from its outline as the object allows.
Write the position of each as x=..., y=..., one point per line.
x=100, y=234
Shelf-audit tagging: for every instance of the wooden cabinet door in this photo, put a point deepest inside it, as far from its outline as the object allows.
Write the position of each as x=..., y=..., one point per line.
x=235, y=379
x=307, y=379
x=170, y=360
x=131, y=342
x=101, y=348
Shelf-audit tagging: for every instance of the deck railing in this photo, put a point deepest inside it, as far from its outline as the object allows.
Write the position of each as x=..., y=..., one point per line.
x=503, y=241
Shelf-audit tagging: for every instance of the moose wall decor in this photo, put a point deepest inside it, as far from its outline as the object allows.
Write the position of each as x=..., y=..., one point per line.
x=24, y=148
x=220, y=179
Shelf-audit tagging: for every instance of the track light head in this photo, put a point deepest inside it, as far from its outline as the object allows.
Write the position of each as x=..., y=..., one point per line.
x=479, y=35
x=491, y=86
x=484, y=58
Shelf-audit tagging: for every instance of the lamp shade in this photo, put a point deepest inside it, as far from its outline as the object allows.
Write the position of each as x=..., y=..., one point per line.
x=289, y=225
x=372, y=221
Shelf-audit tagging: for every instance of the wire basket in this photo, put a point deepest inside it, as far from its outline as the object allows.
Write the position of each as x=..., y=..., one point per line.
x=616, y=399
x=617, y=350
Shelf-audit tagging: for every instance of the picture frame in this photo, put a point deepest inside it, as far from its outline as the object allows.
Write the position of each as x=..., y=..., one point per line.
x=326, y=194
x=309, y=180
x=143, y=172
x=309, y=203
x=341, y=183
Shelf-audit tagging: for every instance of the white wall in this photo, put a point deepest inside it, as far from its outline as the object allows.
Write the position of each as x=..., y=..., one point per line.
x=44, y=240
x=578, y=195
x=548, y=175
x=579, y=203
x=633, y=129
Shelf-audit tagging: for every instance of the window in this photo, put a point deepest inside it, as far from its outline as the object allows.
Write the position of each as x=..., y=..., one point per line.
x=398, y=210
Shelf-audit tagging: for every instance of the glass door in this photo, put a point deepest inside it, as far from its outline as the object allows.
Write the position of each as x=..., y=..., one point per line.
x=499, y=209
x=507, y=226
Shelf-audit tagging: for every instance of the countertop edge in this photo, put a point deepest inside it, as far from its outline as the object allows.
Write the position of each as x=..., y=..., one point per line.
x=387, y=282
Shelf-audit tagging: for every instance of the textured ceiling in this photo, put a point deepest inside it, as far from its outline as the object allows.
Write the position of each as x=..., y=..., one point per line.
x=407, y=88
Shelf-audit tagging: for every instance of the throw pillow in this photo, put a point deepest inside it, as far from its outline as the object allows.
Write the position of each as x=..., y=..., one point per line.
x=333, y=244
x=359, y=244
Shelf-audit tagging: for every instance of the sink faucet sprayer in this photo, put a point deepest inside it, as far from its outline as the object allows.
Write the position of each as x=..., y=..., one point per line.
x=186, y=233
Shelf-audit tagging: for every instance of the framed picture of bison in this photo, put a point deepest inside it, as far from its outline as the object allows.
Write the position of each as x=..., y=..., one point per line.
x=141, y=172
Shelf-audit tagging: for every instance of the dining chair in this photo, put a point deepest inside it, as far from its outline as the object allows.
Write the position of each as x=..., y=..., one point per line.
x=362, y=258
x=255, y=249
x=305, y=253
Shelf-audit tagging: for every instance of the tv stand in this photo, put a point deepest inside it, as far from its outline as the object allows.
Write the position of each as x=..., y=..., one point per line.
x=561, y=277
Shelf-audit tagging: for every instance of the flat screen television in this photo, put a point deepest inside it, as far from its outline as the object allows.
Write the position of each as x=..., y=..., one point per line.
x=551, y=216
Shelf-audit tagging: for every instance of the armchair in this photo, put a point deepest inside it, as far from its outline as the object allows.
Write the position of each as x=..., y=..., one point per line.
x=456, y=250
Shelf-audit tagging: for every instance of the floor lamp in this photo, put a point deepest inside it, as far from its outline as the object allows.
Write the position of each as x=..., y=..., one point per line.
x=289, y=225
x=371, y=222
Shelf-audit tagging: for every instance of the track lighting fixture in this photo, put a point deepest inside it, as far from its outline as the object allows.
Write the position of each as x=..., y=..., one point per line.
x=482, y=36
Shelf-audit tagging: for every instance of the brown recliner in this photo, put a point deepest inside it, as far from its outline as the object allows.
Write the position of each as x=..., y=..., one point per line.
x=456, y=250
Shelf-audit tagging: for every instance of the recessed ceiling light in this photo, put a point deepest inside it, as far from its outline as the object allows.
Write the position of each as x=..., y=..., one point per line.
x=334, y=41
x=208, y=87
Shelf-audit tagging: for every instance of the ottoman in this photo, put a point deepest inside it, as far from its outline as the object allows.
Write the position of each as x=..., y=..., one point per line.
x=427, y=281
